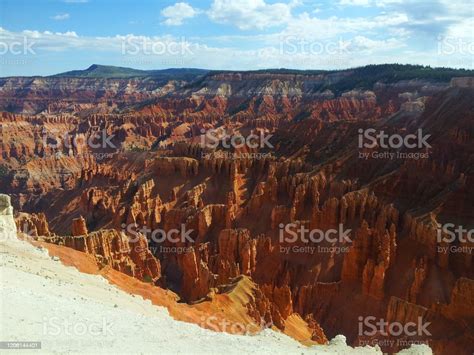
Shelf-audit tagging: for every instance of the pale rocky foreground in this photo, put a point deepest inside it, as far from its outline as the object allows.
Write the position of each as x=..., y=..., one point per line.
x=71, y=312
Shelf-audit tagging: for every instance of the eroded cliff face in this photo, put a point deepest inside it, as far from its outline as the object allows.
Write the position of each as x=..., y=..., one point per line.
x=61, y=95
x=157, y=204
x=108, y=247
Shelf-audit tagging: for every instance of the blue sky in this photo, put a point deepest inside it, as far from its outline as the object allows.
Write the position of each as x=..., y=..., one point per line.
x=43, y=37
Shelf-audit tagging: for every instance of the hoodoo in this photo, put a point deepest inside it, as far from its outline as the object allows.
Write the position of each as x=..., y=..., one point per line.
x=7, y=223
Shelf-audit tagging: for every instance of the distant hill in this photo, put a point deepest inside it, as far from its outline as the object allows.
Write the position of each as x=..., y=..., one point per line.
x=365, y=77
x=393, y=71
x=112, y=72
x=360, y=77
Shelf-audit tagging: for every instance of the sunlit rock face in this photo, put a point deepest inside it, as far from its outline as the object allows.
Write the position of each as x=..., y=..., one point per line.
x=7, y=223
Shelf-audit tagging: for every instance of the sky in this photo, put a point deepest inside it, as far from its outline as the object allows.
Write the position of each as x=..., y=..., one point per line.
x=44, y=37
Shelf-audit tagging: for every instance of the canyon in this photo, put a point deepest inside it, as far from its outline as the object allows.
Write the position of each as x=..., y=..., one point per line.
x=81, y=309
x=135, y=177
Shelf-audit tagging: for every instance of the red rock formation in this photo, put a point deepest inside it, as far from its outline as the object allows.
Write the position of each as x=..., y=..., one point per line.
x=159, y=176
x=33, y=225
x=79, y=226
x=420, y=273
x=113, y=248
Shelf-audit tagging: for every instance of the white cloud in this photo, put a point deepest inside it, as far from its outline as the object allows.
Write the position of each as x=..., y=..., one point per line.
x=378, y=3
x=310, y=28
x=61, y=17
x=354, y=2
x=361, y=43
x=248, y=14
x=303, y=41
x=178, y=12
x=383, y=3
x=163, y=51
